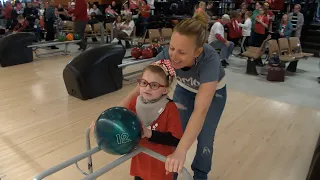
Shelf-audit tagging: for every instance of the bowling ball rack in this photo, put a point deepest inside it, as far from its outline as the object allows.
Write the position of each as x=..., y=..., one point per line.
x=90, y=175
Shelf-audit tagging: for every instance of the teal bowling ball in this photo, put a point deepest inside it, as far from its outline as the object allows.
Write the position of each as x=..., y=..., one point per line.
x=118, y=131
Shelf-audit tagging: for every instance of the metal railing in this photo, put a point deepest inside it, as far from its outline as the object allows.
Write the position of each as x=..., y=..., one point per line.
x=93, y=175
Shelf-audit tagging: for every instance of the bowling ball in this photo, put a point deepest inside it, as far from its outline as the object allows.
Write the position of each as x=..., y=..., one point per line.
x=62, y=38
x=118, y=131
x=69, y=37
x=76, y=37
x=136, y=52
x=147, y=53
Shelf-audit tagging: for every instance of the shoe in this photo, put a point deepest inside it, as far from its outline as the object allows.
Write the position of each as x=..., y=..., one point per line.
x=54, y=47
x=225, y=62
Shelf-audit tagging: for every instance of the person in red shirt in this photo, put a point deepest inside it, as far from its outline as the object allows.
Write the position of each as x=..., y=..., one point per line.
x=22, y=25
x=160, y=119
x=81, y=19
x=144, y=12
x=7, y=14
x=269, y=14
x=260, y=26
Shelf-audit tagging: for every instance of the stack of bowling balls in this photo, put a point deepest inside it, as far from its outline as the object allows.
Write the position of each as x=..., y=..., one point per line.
x=68, y=37
x=146, y=52
x=118, y=131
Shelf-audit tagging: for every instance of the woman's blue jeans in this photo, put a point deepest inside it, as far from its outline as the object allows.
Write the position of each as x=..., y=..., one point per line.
x=202, y=161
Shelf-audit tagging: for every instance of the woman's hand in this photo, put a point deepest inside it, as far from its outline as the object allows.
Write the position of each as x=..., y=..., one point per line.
x=92, y=126
x=175, y=161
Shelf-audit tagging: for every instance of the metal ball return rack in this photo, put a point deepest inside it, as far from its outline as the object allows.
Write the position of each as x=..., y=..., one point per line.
x=93, y=175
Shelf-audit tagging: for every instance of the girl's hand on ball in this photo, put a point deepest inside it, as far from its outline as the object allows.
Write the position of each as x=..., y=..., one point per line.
x=146, y=132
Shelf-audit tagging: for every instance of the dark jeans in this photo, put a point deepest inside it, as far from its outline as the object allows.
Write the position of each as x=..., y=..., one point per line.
x=50, y=30
x=80, y=27
x=202, y=161
x=258, y=39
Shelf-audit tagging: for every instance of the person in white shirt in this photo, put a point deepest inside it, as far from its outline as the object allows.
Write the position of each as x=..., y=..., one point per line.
x=246, y=30
x=125, y=30
x=217, y=40
x=95, y=10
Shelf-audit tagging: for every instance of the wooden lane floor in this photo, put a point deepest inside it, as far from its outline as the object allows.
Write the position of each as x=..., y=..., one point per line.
x=41, y=126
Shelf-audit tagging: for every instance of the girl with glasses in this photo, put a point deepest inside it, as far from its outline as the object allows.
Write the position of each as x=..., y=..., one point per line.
x=160, y=119
x=162, y=128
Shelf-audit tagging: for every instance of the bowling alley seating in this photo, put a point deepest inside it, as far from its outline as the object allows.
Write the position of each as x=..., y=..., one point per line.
x=13, y=43
x=159, y=36
x=252, y=54
x=292, y=47
x=295, y=47
x=166, y=34
x=273, y=48
x=95, y=72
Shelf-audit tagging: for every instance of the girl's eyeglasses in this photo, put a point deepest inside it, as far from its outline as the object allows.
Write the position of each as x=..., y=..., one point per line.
x=153, y=85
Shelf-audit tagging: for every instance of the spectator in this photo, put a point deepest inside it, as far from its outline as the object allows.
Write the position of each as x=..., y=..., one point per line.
x=71, y=9
x=210, y=9
x=260, y=25
x=95, y=10
x=110, y=12
x=126, y=10
x=285, y=28
x=23, y=25
x=269, y=15
x=246, y=30
x=234, y=31
x=255, y=13
x=117, y=23
x=88, y=8
x=30, y=12
x=81, y=19
x=124, y=30
x=115, y=7
x=217, y=40
x=63, y=14
x=243, y=11
x=50, y=18
x=297, y=20
x=41, y=10
x=7, y=14
x=145, y=11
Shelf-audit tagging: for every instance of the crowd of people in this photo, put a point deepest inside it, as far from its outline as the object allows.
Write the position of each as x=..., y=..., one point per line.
x=46, y=19
x=250, y=28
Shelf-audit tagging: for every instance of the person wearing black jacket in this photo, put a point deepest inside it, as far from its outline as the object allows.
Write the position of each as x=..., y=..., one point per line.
x=50, y=17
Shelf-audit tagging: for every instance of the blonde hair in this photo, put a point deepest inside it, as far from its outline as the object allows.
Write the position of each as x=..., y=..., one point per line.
x=195, y=27
x=202, y=4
